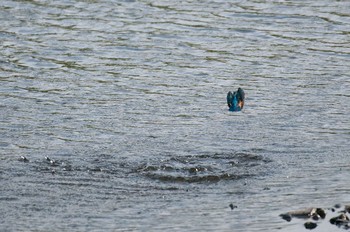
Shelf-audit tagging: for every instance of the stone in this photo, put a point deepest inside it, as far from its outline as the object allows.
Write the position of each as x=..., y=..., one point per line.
x=286, y=217
x=233, y=206
x=347, y=208
x=23, y=159
x=341, y=219
x=310, y=225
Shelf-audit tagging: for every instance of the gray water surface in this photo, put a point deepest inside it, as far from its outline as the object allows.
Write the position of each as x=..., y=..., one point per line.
x=128, y=101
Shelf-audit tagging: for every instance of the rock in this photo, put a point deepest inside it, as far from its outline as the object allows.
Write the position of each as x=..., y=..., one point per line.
x=315, y=217
x=347, y=208
x=342, y=219
x=315, y=214
x=23, y=159
x=193, y=170
x=310, y=225
x=305, y=213
x=321, y=212
x=286, y=217
x=233, y=206
x=53, y=163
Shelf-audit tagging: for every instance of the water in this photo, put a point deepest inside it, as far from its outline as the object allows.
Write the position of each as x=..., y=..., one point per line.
x=129, y=99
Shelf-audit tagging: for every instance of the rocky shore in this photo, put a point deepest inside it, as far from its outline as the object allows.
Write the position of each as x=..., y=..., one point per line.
x=337, y=215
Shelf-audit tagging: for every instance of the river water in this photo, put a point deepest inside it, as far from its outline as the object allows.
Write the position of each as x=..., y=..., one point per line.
x=127, y=99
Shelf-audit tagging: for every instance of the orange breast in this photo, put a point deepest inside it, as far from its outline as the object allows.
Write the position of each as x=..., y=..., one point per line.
x=241, y=104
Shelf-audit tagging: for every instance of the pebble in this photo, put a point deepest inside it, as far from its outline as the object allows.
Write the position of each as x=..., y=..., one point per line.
x=310, y=225
x=53, y=163
x=24, y=159
x=233, y=206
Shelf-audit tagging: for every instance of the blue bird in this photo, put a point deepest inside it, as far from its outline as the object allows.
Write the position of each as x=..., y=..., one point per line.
x=235, y=100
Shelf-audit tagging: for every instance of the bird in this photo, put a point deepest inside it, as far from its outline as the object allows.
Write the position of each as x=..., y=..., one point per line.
x=235, y=100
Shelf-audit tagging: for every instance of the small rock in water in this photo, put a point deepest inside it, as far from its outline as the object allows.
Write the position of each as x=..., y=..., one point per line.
x=193, y=170
x=23, y=158
x=233, y=206
x=347, y=208
x=286, y=216
x=342, y=219
x=321, y=212
x=310, y=225
x=315, y=217
x=53, y=163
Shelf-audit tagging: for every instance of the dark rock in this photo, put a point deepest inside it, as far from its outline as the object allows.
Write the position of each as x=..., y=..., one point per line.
x=233, y=206
x=310, y=225
x=342, y=219
x=193, y=170
x=321, y=212
x=67, y=168
x=95, y=169
x=23, y=159
x=315, y=217
x=53, y=163
x=347, y=208
x=286, y=217
x=337, y=206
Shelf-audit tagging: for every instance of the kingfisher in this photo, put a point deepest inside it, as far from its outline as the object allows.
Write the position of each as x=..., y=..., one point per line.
x=235, y=100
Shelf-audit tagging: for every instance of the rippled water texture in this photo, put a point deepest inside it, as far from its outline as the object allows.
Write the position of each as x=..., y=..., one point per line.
x=120, y=110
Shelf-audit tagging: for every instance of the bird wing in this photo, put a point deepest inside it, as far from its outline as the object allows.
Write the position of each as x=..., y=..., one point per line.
x=229, y=98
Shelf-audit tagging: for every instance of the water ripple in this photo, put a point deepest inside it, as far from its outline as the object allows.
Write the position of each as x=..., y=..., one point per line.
x=130, y=96
x=204, y=168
